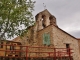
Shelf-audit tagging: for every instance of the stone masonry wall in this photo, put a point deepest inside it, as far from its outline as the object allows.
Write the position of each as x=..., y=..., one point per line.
x=40, y=35
x=61, y=39
x=40, y=40
x=46, y=23
x=79, y=44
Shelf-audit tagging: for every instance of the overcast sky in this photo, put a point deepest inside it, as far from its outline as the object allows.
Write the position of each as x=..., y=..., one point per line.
x=67, y=13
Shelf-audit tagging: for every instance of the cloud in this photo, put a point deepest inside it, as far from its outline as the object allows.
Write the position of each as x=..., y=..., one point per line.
x=67, y=13
x=70, y=20
x=75, y=33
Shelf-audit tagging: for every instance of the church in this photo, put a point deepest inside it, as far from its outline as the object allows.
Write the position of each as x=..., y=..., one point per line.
x=46, y=33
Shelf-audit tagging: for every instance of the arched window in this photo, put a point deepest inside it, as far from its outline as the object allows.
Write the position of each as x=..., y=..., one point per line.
x=43, y=21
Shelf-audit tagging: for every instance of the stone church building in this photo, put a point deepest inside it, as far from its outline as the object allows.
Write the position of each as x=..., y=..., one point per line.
x=46, y=33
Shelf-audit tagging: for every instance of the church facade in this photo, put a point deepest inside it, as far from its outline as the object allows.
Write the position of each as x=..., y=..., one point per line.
x=46, y=33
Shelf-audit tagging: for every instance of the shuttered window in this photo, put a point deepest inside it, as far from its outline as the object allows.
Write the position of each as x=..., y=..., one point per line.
x=46, y=39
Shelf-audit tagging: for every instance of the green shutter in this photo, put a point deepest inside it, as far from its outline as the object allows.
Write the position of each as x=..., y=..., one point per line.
x=46, y=39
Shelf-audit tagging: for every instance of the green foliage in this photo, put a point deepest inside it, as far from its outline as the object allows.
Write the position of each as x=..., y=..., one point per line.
x=14, y=15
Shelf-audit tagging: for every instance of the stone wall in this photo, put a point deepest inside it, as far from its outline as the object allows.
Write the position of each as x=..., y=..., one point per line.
x=46, y=23
x=29, y=39
x=59, y=39
x=62, y=38
x=45, y=19
x=79, y=44
x=48, y=30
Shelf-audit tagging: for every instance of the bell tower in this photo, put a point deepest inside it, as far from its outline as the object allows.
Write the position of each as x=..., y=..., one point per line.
x=44, y=19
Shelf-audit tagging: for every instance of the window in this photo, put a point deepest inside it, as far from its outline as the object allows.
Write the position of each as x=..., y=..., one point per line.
x=43, y=21
x=1, y=46
x=11, y=47
x=46, y=39
x=67, y=46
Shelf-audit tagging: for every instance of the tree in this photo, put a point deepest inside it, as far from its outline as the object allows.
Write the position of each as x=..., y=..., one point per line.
x=14, y=15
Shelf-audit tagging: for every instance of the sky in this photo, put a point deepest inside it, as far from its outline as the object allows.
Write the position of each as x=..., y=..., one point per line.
x=67, y=13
